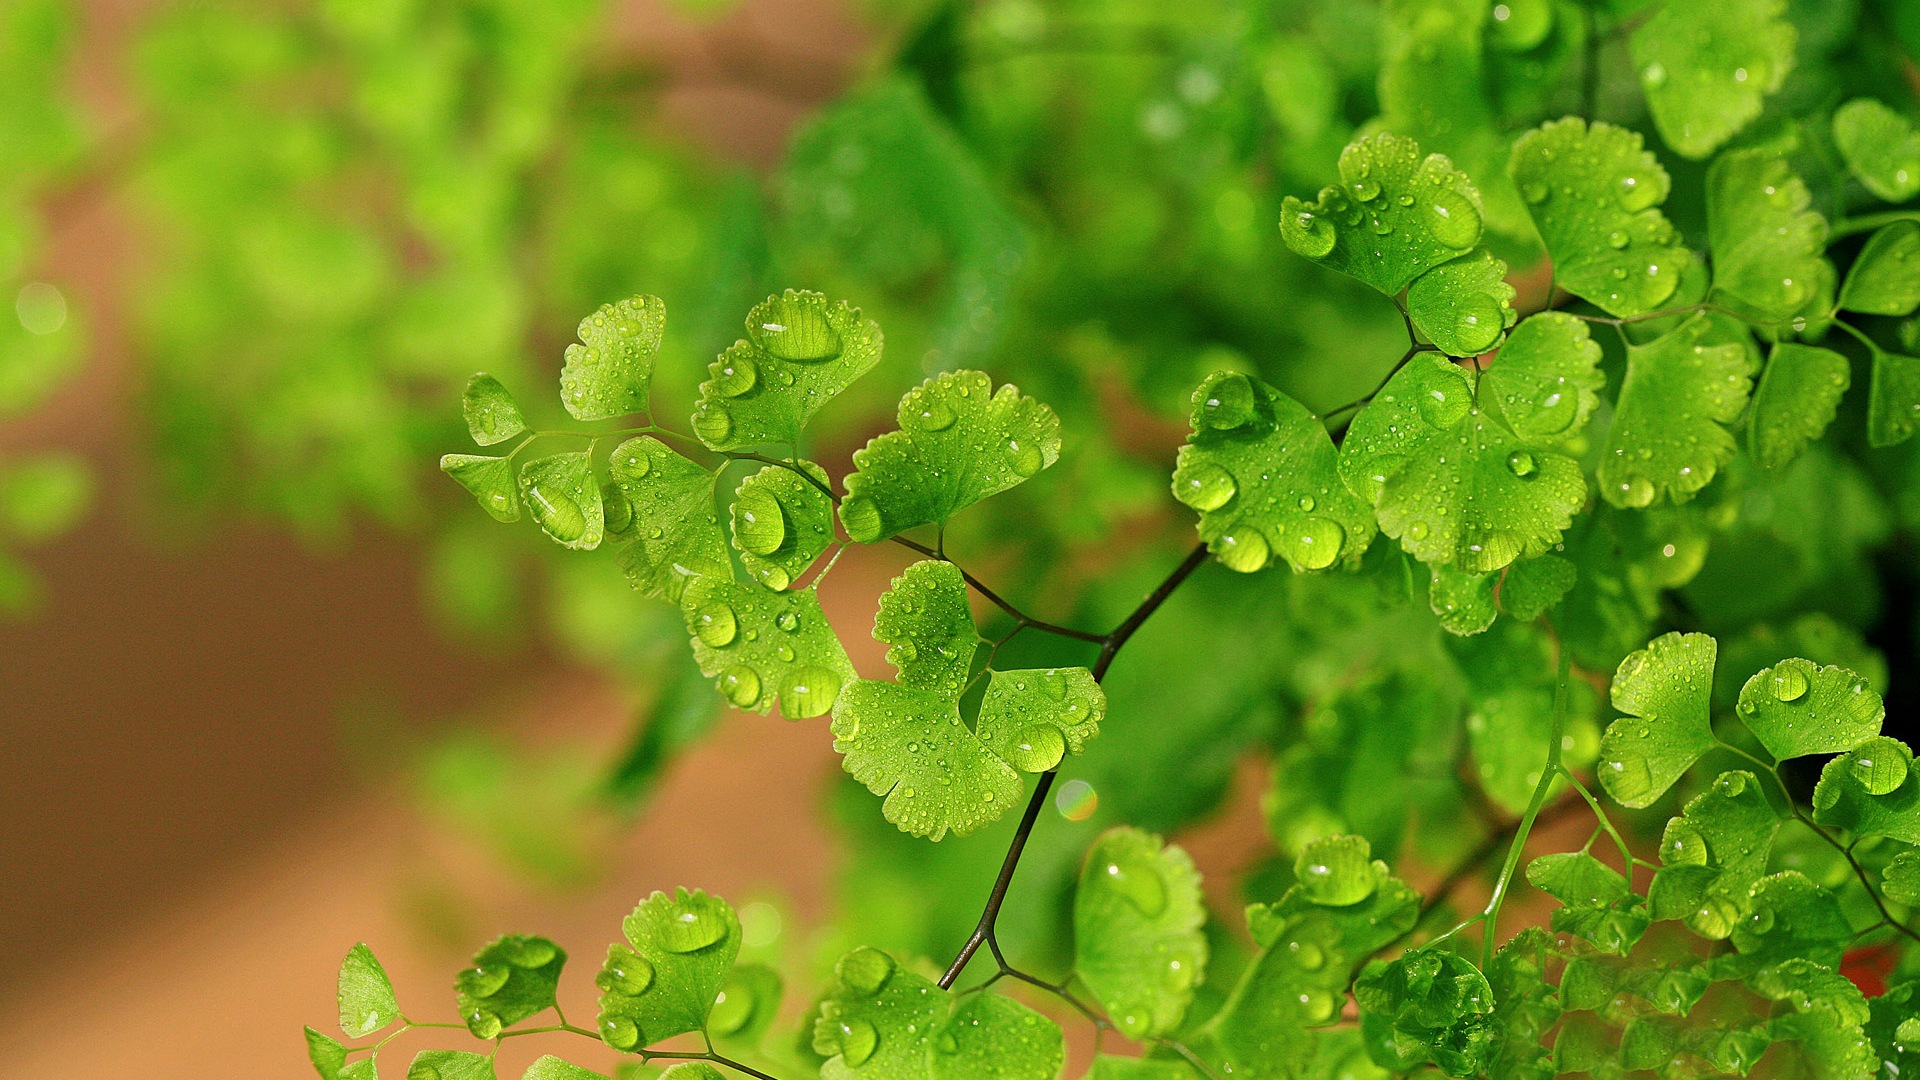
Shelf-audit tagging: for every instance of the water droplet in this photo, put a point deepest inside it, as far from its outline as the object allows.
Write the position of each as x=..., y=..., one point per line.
x=1366, y=190
x=1244, y=548
x=774, y=577
x=865, y=970
x=1307, y=955
x=693, y=927
x=1445, y=406
x=1521, y=463
x=733, y=1008
x=1636, y=192
x=740, y=685
x=712, y=422
x=860, y=516
x=1881, y=766
x=794, y=326
x=1478, y=321
x=1025, y=457
x=1203, y=485
x=858, y=1041
x=809, y=691
x=627, y=972
x=1682, y=845
x=615, y=508
x=619, y=1032
x=1654, y=75
x=1318, y=1006
x=1226, y=400
x=1617, y=240
x=715, y=625
x=1789, y=680
x=1314, y=542
x=1635, y=491
x=557, y=512
x=483, y=1023
x=483, y=981
x=787, y=621
x=759, y=523
x=1535, y=193
x=1139, y=883
x=737, y=375
x=1453, y=220
x=1038, y=748
x=932, y=413
x=1309, y=233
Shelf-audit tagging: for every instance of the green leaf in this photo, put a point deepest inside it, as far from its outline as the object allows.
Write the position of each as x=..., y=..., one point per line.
x=1395, y=215
x=958, y=443
x=1712, y=854
x=364, y=1069
x=1666, y=690
x=782, y=522
x=366, y=995
x=1033, y=718
x=548, y=1067
x=1463, y=601
x=883, y=1021
x=1525, y=1007
x=1797, y=397
x=1428, y=1005
x=1263, y=475
x=1299, y=980
x=1532, y=586
x=1595, y=195
x=1880, y=147
x=1597, y=903
x=1547, y=379
x=800, y=352
x=327, y=1055
x=1450, y=479
x=1871, y=791
x=489, y=479
x=1109, y=1067
x=1827, y=1018
x=1894, y=1028
x=1900, y=881
x=1893, y=399
x=675, y=533
x=1769, y=248
x=1463, y=306
x=764, y=646
x=1792, y=918
x=610, y=373
x=1706, y=68
x=565, y=500
x=1885, y=278
x=512, y=978
x=492, y=414
x=692, y=1070
x=682, y=948
x=1137, y=918
x=1669, y=434
x=1796, y=708
x=450, y=1065
x=924, y=619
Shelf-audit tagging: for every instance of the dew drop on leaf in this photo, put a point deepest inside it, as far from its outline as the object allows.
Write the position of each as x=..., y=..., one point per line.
x=1040, y=748
x=739, y=685
x=715, y=625
x=808, y=692
x=1244, y=548
x=858, y=1041
x=1226, y=401
x=1789, y=681
x=1521, y=463
x=1140, y=883
x=1025, y=457
x=1203, y=485
x=483, y=982
x=1453, y=220
x=557, y=513
x=692, y=929
x=934, y=414
x=787, y=621
x=795, y=327
x=738, y=374
x=1315, y=543
x=619, y=1032
x=865, y=971
x=1307, y=955
x=1443, y=407
x=712, y=422
x=861, y=518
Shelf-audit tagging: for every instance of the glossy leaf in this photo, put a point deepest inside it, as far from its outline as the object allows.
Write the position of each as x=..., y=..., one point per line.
x=958, y=443
x=1666, y=690
x=1669, y=435
x=450, y=1065
x=1768, y=246
x=1137, y=918
x=489, y=479
x=366, y=995
x=800, y=352
x=761, y=647
x=1547, y=380
x=1426, y=1006
x=491, y=413
x=1799, y=392
x=1871, y=791
x=1595, y=195
x=663, y=981
x=1712, y=854
x=1394, y=216
x=1885, y=278
x=610, y=372
x=548, y=1067
x=1893, y=399
x=1900, y=881
x=673, y=532
x=1796, y=708
x=782, y=522
x=1448, y=476
x=1706, y=69
x=1880, y=147
x=512, y=978
x=1596, y=902
x=1263, y=475
x=1033, y=718
x=883, y=1021
x=1465, y=306
x=327, y=1055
